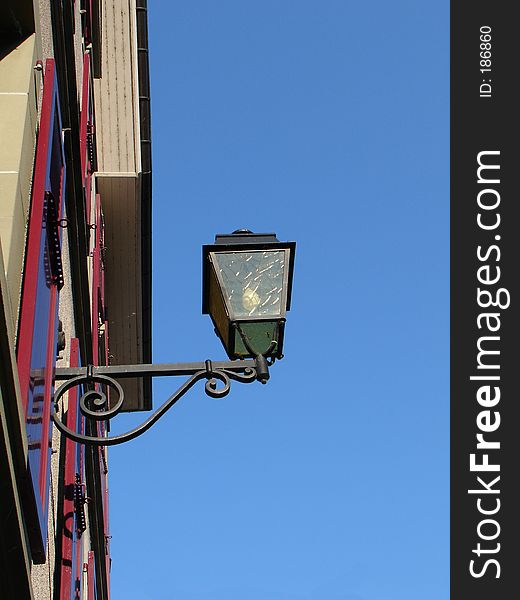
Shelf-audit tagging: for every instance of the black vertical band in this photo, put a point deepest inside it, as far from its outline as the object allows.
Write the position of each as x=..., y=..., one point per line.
x=485, y=333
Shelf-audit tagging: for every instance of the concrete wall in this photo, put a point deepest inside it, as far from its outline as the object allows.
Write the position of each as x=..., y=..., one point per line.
x=118, y=180
x=19, y=94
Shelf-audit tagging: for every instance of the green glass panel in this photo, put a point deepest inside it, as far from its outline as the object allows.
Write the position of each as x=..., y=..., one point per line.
x=253, y=282
x=259, y=335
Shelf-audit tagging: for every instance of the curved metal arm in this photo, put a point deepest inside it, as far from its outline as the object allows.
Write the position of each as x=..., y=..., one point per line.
x=93, y=403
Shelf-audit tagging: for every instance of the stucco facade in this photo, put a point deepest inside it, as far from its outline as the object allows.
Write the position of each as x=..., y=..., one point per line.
x=75, y=273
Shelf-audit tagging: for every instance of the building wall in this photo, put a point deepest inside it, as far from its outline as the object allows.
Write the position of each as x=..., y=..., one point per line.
x=19, y=102
x=70, y=141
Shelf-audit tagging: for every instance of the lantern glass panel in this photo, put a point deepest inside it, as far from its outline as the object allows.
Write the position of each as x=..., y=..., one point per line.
x=253, y=282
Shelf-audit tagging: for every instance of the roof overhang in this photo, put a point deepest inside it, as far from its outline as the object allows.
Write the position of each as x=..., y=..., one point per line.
x=124, y=180
x=128, y=289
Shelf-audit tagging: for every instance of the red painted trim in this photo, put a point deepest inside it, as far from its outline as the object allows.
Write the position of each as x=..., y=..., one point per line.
x=90, y=576
x=85, y=104
x=101, y=226
x=78, y=540
x=106, y=343
x=99, y=241
x=96, y=282
x=32, y=255
x=50, y=360
x=88, y=193
x=42, y=332
x=68, y=534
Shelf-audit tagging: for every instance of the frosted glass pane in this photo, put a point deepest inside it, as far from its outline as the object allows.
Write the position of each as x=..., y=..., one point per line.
x=253, y=282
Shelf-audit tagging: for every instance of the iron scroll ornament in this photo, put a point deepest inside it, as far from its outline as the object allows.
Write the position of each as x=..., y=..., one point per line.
x=94, y=404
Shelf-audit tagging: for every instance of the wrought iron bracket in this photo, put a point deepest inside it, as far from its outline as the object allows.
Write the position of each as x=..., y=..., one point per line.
x=95, y=406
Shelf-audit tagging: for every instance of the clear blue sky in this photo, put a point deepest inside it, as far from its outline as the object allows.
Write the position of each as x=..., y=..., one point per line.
x=326, y=122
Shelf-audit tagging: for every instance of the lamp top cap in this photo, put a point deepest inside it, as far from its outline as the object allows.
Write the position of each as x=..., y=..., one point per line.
x=245, y=236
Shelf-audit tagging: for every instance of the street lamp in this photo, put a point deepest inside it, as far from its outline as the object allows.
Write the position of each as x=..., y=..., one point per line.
x=247, y=281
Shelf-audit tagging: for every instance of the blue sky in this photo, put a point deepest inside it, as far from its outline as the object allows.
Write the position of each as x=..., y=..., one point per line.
x=326, y=122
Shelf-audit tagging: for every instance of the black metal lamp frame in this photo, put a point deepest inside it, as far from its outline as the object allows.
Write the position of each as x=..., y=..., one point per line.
x=94, y=403
x=243, y=240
